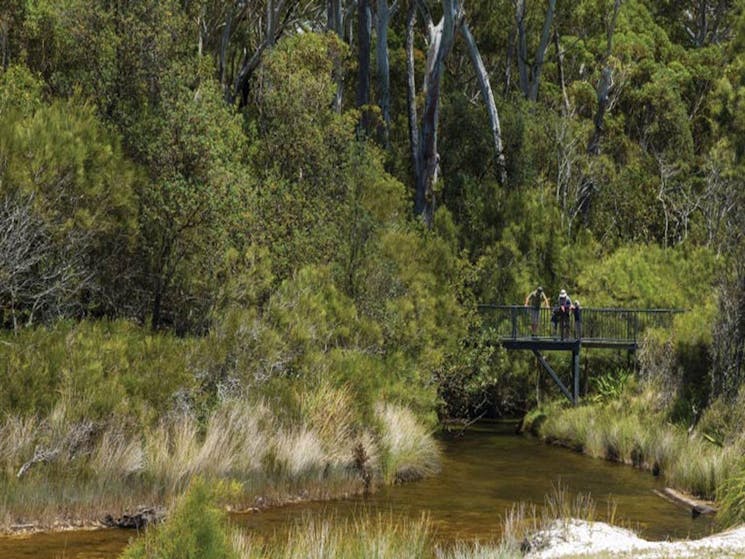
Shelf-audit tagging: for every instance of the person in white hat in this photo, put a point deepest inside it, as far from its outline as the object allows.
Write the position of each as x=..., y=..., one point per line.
x=561, y=311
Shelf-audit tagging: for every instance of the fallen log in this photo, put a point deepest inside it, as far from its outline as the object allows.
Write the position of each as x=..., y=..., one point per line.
x=696, y=506
x=138, y=520
x=41, y=456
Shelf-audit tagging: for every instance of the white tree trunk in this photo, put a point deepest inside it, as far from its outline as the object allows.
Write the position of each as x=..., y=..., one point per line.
x=488, y=96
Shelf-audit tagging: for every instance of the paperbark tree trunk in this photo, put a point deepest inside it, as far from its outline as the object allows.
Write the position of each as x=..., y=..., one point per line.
x=441, y=43
x=522, y=47
x=560, y=65
x=540, y=54
x=278, y=17
x=604, y=85
x=411, y=92
x=335, y=23
x=425, y=157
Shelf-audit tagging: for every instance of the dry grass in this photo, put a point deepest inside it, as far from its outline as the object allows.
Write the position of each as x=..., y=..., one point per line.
x=622, y=432
x=410, y=450
x=105, y=469
x=386, y=536
x=117, y=455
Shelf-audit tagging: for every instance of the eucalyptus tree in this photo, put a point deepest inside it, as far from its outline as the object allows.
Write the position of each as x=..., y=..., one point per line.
x=605, y=83
x=364, y=39
x=440, y=38
x=530, y=73
x=239, y=32
x=697, y=23
x=606, y=79
x=383, y=16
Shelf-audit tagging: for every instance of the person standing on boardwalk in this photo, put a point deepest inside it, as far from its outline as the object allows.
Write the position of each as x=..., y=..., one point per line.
x=535, y=300
x=577, y=312
x=561, y=313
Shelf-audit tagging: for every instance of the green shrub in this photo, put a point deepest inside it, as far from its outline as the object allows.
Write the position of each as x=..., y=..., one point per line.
x=649, y=276
x=96, y=369
x=196, y=529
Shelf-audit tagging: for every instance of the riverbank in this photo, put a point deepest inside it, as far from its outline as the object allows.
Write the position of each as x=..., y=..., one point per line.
x=563, y=528
x=636, y=430
x=259, y=458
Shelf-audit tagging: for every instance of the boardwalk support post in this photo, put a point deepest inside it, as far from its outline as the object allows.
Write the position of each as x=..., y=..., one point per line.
x=557, y=380
x=575, y=374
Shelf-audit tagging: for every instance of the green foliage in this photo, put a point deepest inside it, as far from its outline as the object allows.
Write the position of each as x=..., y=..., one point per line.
x=71, y=43
x=64, y=176
x=284, y=238
x=731, y=498
x=197, y=197
x=196, y=529
x=611, y=386
x=20, y=92
x=651, y=277
x=72, y=166
x=325, y=194
x=95, y=370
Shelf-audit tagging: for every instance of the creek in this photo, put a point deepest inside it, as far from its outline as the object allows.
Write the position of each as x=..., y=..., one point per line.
x=486, y=470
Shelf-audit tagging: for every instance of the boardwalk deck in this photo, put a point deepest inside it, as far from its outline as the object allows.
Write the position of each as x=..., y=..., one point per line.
x=521, y=328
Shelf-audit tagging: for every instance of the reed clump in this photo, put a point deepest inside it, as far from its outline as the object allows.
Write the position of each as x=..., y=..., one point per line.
x=409, y=449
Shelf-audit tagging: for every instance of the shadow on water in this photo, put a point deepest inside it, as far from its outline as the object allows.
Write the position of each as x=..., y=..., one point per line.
x=485, y=471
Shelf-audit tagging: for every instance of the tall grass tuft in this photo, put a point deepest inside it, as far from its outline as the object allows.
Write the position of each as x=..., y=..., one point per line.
x=298, y=452
x=331, y=412
x=117, y=455
x=409, y=449
x=236, y=439
x=170, y=450
x=198, y=529
x=478, y=551
x=731, y=497
x=558, y=505
x=378, y=536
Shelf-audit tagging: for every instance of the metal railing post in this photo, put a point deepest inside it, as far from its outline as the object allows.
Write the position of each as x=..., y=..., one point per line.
x=513, y=316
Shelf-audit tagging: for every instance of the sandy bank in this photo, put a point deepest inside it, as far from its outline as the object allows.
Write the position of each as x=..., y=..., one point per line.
x=576, y=538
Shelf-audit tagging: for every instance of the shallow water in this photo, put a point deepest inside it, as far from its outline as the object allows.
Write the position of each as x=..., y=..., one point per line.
x=485, y=471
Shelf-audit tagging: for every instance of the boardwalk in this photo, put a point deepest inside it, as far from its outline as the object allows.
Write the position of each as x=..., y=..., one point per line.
x=510, y=326
x=601, y=327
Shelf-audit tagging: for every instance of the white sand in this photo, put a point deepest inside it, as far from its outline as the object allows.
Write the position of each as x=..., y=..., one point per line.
x=579, y=538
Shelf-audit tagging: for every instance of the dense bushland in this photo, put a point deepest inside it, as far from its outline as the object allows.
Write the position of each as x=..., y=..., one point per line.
x=210, y=220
